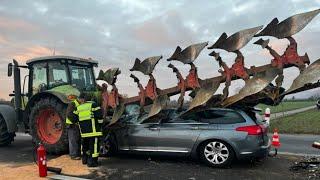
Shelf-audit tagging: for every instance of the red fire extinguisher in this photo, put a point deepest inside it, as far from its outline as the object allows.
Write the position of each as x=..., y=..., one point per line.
x=42, y=160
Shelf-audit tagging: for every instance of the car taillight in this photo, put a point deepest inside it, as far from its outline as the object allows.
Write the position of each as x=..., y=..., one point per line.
x=251, y=130
x=264, y=129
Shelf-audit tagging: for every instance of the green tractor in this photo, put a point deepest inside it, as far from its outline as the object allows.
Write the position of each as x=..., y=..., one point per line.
x=52, y=82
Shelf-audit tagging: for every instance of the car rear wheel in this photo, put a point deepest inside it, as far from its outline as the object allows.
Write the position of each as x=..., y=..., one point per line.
x=216, y=153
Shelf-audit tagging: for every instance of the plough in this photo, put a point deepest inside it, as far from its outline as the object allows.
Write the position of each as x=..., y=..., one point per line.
x=259, y=87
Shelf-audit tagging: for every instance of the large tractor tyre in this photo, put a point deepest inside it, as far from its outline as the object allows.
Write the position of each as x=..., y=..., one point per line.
x=5, y=137
x=47, y=125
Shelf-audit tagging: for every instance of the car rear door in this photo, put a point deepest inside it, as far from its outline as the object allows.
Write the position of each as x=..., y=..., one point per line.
x=178, y=137
x=179, y=134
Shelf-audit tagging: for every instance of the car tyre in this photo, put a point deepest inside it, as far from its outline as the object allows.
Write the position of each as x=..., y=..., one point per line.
x=216, y=153
x=108, y=146
x=5, y=137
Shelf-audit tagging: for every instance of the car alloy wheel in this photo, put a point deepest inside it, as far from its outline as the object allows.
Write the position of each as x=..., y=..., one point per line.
x=216, y=153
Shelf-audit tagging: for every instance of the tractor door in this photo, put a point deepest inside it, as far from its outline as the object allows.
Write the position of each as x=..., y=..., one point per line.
x=38, y=80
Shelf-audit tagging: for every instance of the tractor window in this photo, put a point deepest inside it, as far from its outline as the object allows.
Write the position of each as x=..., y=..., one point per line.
x=39, y=78
x=57, y=74
x=82, y=77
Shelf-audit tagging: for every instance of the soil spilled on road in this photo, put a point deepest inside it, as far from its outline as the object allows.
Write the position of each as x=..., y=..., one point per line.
x=30, y=171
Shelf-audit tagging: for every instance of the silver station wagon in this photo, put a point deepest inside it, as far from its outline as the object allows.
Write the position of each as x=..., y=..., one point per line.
x=217, y=135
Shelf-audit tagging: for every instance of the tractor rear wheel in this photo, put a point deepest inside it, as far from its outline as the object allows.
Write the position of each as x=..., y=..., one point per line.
x=5, y=137
x=47, y=124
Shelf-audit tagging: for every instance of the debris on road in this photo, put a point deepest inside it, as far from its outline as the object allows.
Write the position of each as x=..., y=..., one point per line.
x=309, y=166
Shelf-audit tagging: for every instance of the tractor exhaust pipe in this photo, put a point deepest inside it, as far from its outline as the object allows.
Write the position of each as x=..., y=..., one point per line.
x=17, y=87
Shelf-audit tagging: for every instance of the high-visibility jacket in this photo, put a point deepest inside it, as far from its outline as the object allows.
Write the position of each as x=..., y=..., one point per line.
x=90, y=126
x=76, y=103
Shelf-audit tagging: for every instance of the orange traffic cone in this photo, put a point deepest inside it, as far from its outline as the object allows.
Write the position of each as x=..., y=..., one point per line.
x=275, y=139
x=275, y=142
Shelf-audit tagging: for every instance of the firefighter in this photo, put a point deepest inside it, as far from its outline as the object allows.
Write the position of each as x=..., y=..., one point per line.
x=73, y=131
x=90, y=120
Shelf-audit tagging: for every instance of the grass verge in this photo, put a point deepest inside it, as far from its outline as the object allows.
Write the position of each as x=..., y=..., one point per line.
x=287, y=106
x=307, y=122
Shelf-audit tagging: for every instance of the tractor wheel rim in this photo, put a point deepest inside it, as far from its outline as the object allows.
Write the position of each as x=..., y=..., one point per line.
x=216, y=152
x=49, y=126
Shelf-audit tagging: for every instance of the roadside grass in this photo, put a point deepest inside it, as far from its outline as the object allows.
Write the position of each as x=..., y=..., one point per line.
x=287, y=106
x=307, y=122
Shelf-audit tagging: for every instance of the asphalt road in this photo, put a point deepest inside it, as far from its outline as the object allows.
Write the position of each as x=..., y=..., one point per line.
x=156, y=167
x=298, y=144
x=19, y=152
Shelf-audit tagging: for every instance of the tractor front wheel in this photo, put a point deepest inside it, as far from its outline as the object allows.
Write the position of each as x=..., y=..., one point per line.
x=47, y=123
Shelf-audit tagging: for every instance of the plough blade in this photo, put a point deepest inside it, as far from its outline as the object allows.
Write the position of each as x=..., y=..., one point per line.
x=266, y=96
x=204, y=94
x=263, y=43
x=110, y=75
x=146, y=66
x=253, y=86
x=310, y=75
x=158, y=104
x=289, y=26
x=118, y=111
x=236, y=41
x=189, y=54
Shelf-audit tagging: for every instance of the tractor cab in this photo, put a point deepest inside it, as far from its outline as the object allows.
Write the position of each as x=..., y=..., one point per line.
x=49, y=72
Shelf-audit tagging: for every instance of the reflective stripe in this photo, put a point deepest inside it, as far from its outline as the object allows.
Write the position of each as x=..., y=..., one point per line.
x=93, y=125
x=95, y=149
x=100, y=121
x=95, y=109
x=91, y=134
x=68, y=121
x=85, y=117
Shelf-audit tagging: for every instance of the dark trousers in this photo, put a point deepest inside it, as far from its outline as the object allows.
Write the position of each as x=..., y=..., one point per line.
x=74, y=140
x=90, y=150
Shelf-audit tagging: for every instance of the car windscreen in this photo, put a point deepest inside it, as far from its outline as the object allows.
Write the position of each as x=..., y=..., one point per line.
x=132, y=118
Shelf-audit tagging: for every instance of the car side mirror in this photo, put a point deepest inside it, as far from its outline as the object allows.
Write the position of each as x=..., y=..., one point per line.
x=9, y=69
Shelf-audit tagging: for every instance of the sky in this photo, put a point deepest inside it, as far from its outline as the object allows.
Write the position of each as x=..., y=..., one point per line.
x=115, y=32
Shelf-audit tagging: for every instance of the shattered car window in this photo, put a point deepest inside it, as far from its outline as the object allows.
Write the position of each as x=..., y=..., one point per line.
x=215, y=117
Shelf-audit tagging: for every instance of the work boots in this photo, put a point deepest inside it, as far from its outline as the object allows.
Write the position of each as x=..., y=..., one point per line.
x=84, y=159
x=92, y=162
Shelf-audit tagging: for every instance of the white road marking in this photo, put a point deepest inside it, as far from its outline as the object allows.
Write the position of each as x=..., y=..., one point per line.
x=296, y=154
x=22, y=134
x=63, y=177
